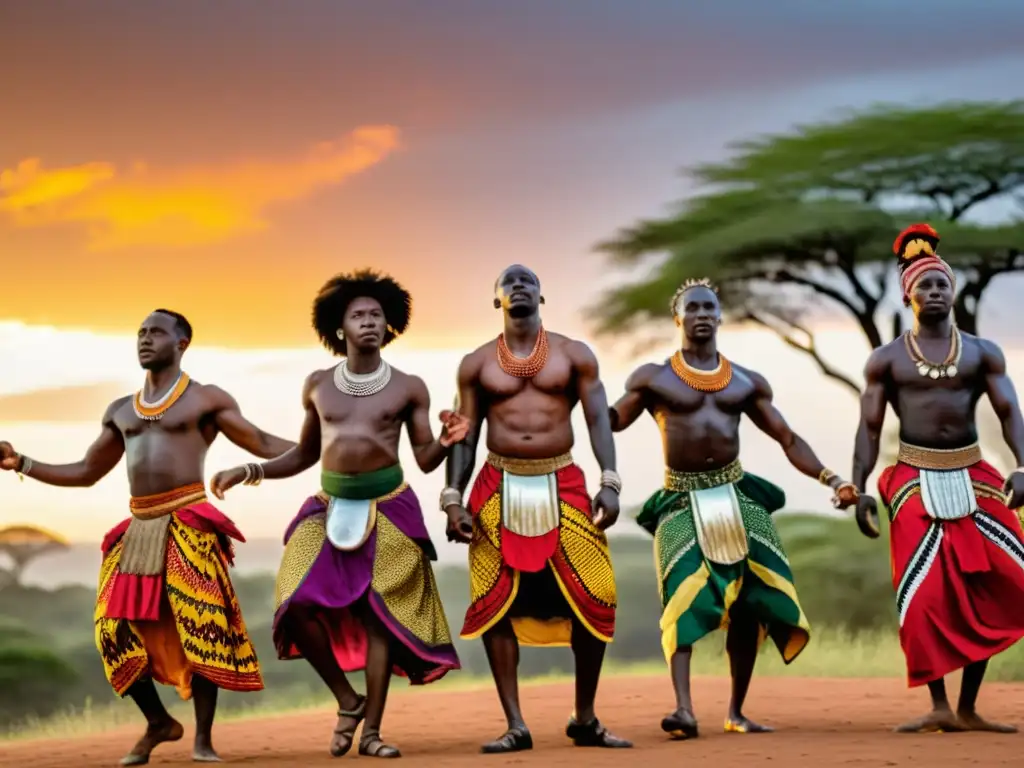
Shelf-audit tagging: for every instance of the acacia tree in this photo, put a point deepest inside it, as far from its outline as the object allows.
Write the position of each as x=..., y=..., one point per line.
x=22, y=544
x=800, y=224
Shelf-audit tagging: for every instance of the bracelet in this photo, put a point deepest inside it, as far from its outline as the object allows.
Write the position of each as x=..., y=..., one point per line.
x=253, y=474
x=450, y=497
x=826, y=476
x=24, y=465
x=610, y=479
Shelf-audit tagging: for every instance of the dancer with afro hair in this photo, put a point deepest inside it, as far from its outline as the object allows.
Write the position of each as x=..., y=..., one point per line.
x=356, y=589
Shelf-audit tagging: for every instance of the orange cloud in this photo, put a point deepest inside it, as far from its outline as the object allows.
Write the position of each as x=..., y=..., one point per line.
x=187, y=206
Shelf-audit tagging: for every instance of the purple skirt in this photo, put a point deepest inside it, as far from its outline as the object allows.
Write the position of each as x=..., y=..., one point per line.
x=390, y=575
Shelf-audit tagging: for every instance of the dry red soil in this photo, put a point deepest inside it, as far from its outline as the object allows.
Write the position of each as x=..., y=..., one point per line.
x=819, y=722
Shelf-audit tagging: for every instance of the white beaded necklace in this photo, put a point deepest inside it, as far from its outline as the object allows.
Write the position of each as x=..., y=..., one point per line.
x=361, y=384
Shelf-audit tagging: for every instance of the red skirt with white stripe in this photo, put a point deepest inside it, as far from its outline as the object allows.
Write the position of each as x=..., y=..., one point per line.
x=957, y=567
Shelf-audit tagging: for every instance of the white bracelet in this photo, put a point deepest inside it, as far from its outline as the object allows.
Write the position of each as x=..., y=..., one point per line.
x=610, y=478
x=253, y=474
x=450, y=497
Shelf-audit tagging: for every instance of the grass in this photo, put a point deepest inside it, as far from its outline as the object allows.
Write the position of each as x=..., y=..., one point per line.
x=830, y=653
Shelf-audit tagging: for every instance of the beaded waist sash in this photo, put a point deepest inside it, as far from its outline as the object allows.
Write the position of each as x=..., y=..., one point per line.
x=162, y=504
x=529, y=467
x=683, y=482
x=144, y=546
x=939, y=459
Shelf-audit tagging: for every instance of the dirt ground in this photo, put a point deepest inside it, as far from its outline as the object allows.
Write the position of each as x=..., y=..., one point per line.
x=832, y=722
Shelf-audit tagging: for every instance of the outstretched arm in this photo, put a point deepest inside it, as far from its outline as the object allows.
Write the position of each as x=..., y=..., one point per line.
x=297, y=459
x=240, y=431
x=462, y=457
x=101, y=457
x=595, y=404
x=630, y=406
x=762, y=411
x=1003, y=396
x=429, y=452
x=872, y=418
x=306, y=452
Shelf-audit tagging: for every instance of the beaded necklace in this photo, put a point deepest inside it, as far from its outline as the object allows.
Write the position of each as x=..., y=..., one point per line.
x=703, y=381
x=155, y=411
x=524, y=367
x=361, y=384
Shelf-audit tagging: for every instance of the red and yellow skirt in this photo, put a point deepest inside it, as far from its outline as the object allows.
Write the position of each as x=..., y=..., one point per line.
x=165, y=606
x=536, y=555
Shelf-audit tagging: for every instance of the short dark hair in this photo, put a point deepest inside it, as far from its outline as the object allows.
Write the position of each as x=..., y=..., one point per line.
x=181, y=323
x=332, y=302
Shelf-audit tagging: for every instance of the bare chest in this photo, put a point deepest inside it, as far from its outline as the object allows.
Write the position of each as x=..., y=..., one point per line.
x=338, y=410
x=555, y=378
x=672, y=395
x=186, y=416
x=910, y=374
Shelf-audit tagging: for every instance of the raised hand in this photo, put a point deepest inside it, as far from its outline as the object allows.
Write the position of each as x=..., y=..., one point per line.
x=454, y=428
x=606, y=507
x=226, y=480
x=8, y=457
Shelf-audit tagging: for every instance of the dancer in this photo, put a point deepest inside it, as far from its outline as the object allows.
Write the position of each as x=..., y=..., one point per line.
x=957, y=550
x=356, y=589
x=540, y=570
x=166, y=610
x=720, y=560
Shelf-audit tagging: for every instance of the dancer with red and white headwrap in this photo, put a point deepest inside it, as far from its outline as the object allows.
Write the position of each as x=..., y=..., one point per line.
x=956, y=545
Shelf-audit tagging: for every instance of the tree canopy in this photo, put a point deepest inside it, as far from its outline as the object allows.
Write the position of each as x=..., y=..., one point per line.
x=803, y=222
x=24, y=543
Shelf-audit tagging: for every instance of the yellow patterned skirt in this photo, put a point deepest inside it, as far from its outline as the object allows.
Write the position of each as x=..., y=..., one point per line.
x=181, y=621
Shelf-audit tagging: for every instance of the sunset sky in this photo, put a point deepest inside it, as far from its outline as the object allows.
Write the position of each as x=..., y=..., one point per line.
x=225, y=159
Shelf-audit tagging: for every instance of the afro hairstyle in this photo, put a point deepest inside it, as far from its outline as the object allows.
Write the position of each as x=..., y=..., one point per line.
x=332, y=302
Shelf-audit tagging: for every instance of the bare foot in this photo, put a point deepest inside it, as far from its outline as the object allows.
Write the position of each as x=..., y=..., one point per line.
x=203, y=751
x=741, y=724
x=681, y=724
x=972, y=721
x=157, y=733
x=936, y=721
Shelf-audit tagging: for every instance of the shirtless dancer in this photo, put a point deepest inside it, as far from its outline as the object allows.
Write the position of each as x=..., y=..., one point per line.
x=720, y=560
x=165, y=609
x=540, y=570
x=957, y=550
x=356, y=589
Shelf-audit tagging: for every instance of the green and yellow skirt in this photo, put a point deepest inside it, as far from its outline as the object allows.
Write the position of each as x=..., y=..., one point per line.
x=717, y=552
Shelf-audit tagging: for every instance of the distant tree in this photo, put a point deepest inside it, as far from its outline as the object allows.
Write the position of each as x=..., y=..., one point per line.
x=22, y=544
x=795, y=224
